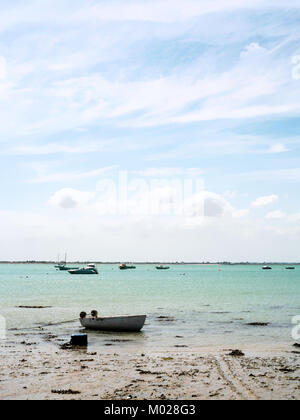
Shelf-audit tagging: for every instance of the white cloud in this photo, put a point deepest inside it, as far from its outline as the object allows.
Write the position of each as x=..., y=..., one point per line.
x=290, y=174
x=68, y=198
x=217, y=143
x=253, y=49
x=168, y=172
x=3, y=68
x=278, y=148
x=162, y=199
x=207, y=204
x=230, y=194
x=265, y=201
x=240, y=213
x=276, y=215
x=214, y=205
x=160, y=11
x=295, y=217
x=168, y=11
x=230, y=95
x=244, y=91
x=70, y=176
x=53, y=148
x=198, y=91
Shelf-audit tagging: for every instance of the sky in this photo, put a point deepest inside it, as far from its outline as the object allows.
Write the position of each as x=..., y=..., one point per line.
x=146, y=130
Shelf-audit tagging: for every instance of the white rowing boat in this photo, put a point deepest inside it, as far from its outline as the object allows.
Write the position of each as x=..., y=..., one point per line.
x=118, y=323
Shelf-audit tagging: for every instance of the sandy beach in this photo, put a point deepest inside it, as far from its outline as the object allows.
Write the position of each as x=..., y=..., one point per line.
x=32, y=372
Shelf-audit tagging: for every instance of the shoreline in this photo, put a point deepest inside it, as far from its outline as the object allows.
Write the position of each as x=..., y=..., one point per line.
x=45, y=371
x=36, y=373
x=230, y=264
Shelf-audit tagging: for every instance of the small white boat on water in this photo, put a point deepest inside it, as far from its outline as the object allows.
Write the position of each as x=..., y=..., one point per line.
x=117, y=323
x=127, y=267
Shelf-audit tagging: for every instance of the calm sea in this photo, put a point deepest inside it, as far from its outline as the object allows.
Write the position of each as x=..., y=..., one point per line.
x=203, y=305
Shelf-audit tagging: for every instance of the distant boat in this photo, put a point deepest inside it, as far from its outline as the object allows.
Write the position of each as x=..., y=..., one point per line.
x=88, y=269
x=117, y=323
x=66, y=268
x=59, y=265
x=162, y=267
x=62, y=265
x=266, y=267
x=126, y=267
x=290, y=268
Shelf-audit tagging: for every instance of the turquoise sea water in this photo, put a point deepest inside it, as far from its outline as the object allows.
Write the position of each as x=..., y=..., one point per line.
x=206, y=305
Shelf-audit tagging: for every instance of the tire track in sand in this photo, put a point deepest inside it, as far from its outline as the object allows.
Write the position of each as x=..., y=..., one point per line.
x=236, y=384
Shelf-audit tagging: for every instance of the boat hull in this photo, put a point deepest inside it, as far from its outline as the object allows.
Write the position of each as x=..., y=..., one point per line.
x=63, y=268
x=118, y=324
x=86, y=271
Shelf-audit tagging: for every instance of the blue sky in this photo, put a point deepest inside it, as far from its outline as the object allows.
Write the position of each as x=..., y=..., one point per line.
x=201, y=90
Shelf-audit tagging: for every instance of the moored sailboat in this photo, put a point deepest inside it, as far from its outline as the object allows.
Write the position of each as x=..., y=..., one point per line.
x=62, y=265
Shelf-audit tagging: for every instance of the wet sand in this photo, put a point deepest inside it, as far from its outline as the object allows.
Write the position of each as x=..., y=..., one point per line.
x=35, y=372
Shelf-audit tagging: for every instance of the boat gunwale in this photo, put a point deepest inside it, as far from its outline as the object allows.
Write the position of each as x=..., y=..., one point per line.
x=113, y=317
